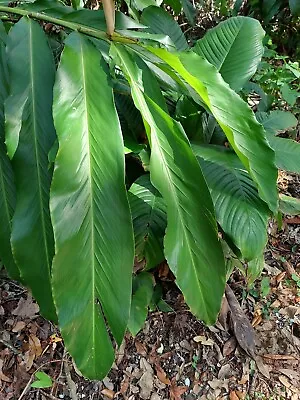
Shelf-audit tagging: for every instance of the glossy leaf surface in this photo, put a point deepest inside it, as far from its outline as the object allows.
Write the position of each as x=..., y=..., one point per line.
x=160, y=21
x=235, y=48
x=192, y=248
x=241, y=213
x=7, y=184
x=244, y=133
x=31, y=135
x=93, y=264
x=149, y=221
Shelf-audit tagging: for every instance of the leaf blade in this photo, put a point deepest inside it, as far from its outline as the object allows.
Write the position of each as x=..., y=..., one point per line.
x=95, y=235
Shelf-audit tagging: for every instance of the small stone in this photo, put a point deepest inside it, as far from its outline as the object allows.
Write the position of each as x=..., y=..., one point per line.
x=108, y=384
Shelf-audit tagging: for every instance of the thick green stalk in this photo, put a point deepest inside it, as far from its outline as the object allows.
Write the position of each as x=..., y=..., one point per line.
x=67, y=24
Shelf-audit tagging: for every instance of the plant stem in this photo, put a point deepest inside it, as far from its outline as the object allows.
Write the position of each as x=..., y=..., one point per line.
x=67, y=24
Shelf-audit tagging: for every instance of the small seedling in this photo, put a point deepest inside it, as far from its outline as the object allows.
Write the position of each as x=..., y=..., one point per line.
x=42, y=380
x=265, y=287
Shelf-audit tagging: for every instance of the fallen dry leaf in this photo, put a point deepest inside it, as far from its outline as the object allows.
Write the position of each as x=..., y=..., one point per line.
x=243, y=330
x=240, y=395
x=3, y=377
x=162, y=376
x=202, y=339
x=285, y=381
x=256, y=320
x=295, y=220
x=18, y=326
x=233, y=396
x=140, y=348
x=108, y=393
x=279, y=357
x=26, y=307
x=229, y=346
x=177, y=391
x=35, y=345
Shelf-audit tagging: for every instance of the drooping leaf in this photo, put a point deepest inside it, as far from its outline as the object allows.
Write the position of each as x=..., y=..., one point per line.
x=189, y=11
x=289, y=205
x=160, y=21
x=244, y=133
x=7, y=184
x=241, y=213
x=287, y=153
x=192, y=249
x=90, y=212
x=235, y=48
x=276, y=120
x=141, y=297
x=149, y=221
x=142, y=4
x=30, y=136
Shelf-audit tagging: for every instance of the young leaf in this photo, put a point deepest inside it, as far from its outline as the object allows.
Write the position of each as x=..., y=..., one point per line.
x=160, y=21
x=7, y=184
x=42, y=380
x=149, y=221
x=31, y=78
x=92, y=268
x=241, y=213
x=287, y=153
x=235, y=48
x=244, y=133
x=142, y=294
x=192, y=249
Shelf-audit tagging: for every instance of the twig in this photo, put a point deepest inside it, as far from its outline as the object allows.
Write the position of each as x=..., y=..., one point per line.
x=10, y=346
x=70, y=381
x=50, y=396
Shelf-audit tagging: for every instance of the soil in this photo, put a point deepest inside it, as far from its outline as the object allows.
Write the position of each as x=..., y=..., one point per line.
x=175, y=356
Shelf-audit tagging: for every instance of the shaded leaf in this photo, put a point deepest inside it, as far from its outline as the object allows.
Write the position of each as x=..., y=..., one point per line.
x=7, y=184
x=289, y=205
x=94, y=240
x=149, y=221
x=142, y=294
x=160, y=21
x=287, y=153
x=30, y=135
x=255, y=268
x=241, y=213
x=244, y=133
x=189, y=11
x=276, y=120
x=235, y=48
x=192, y=249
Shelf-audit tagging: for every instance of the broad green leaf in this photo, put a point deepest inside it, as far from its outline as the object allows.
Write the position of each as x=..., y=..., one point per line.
x=276, y=120
x=192, y=248
x=7, y=184
x=160, y=21
x=142, y=4
x=289, y=95
x=235, y=48
x=241, y=213
x=175, y=4
x=31, y=77
x=287, y=153
x=141, y=297
x=289, y=205
x=149, y=221
x=93, y=233
x=244, y=133
x=295, y=7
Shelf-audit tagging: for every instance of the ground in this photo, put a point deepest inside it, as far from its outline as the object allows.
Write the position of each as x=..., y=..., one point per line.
x=175, y=356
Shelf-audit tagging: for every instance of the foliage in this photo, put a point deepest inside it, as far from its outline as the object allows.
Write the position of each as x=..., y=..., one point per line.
x=70, y=225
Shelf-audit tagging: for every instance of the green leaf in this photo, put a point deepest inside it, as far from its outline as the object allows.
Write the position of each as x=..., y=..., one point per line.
x=243, y=132
x=160, y=21
x=149, y=221
x=235, y=48
x=295, y=7
x=289, y=205
x=255, y=268
x=289, y=95
x=7, y=184
x=175, y=4
x=243, y=216
x=142, y=4
x=31, y=76
x=277, y=120
x=192, y=248
x=42, y=380
x=287, y=153
x=92, y=267
x=189, y=11
x=142, y=294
